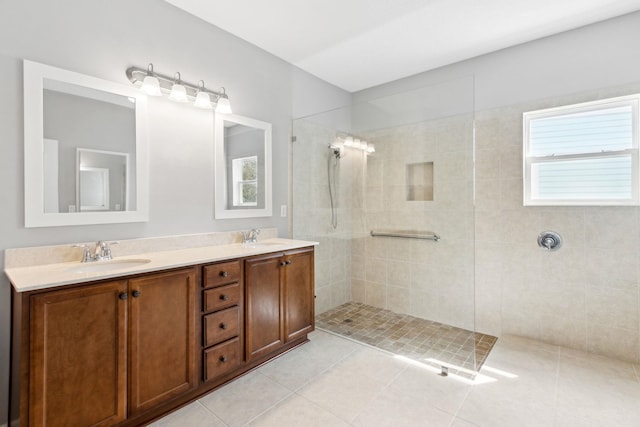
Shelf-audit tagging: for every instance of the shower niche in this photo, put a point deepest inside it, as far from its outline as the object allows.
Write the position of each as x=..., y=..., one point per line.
x=420, y=182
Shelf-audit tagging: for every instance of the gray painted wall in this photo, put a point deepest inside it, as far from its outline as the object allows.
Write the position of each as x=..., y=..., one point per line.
x=103, y=39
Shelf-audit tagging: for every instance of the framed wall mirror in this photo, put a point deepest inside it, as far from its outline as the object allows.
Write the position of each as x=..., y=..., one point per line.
x=85, y=143
x=243, y=167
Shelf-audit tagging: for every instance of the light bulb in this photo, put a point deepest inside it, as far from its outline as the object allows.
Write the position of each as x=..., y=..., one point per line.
x=178, y=93
x=223, y=106
x=151, y=84
x=356, y=143
x=371, y=149
x=348, y=141
x=202, y=100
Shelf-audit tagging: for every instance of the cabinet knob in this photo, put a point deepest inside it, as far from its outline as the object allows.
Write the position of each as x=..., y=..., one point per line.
x=288, y=262
x=135, y=294
x=223, y=326
x=123, y=295
x=223, y=297
x=224, y=274
x=223, y=359
x=283, y=263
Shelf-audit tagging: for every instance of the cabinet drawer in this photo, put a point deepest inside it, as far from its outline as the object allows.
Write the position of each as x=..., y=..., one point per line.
x=221, y=359
x=221, y=297
x=221, y=274
x=221, y=326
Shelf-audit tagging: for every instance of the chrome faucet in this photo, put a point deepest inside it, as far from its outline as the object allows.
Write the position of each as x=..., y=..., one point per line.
x=250, y=236
x=102, y=252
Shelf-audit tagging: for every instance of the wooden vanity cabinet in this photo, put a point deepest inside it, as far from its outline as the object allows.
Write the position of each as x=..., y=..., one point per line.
x=279, y=300
x=222, y=319
x=127, y=351
x=101, y=353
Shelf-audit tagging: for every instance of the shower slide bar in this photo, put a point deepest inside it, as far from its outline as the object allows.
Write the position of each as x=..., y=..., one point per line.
x=409, y=234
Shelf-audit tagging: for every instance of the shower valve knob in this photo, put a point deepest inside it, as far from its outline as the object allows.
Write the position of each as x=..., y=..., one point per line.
x=549, y=241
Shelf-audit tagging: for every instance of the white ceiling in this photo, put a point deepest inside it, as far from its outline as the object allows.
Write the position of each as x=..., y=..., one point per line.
x=356, y=44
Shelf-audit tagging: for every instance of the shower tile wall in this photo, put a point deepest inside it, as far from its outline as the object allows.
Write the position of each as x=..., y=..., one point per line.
x=312, y=211
x=432, y=280
x=586, y=295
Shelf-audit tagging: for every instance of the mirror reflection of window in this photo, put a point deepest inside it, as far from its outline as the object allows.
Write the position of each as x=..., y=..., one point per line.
x=245, y=181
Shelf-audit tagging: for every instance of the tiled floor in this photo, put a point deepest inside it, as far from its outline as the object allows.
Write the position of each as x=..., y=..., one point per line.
x=409, y=336
x=332, y=381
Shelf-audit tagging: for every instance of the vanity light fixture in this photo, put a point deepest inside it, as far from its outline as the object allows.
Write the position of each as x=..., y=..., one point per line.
x=150, y=83
x=355, y=143
x=155, y=84
x=178, y=91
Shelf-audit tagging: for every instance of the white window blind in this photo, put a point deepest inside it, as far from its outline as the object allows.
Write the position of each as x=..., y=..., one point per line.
x=583, y=154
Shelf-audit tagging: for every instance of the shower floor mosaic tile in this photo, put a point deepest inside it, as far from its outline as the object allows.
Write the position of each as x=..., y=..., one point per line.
x=409, y=336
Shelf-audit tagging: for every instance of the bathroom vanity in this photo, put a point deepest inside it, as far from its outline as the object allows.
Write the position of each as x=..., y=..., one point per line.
x=128, y=344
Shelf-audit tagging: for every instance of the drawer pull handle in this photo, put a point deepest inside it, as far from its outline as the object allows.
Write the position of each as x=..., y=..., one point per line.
x=223, y=326
x=224, y=297
x=283, y=263
x=123, y=295
x=224, y=274
x=135, y=294
x=223, y=359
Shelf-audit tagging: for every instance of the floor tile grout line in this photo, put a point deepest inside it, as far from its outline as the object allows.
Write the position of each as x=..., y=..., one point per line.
x=270, y=407
x=211, y=412
x=323, y=408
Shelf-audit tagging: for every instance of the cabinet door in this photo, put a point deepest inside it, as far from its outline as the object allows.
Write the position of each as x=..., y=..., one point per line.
x=264, y=327
x=162, y=328
x=77, y=356
x=299, y=294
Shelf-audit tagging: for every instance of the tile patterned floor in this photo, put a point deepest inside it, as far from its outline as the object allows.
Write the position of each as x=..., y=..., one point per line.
x=332, y=381
x=409, y=336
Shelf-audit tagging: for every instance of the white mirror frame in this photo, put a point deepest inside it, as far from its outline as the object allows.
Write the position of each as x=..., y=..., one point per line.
x=220, y=167
x=35, y=216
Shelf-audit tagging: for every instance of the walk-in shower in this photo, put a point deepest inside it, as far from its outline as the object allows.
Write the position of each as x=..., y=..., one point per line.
x=419, y=180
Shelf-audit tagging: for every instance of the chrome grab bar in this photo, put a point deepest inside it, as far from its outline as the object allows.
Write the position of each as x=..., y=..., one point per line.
x=407, y=234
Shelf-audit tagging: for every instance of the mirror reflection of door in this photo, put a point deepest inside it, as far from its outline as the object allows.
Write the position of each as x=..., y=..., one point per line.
x=101, y=180
x=94, y=189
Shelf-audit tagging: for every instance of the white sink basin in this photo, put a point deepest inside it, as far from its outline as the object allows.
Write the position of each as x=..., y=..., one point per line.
x=105, y=266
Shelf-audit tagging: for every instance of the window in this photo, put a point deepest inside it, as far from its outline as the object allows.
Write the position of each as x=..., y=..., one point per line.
x=582, y=154
x=245, y=181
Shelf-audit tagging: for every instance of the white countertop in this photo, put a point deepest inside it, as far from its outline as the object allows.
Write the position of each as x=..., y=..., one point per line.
x=51, y=275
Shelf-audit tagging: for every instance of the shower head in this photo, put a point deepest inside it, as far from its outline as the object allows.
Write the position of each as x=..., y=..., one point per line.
x=336, y=151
